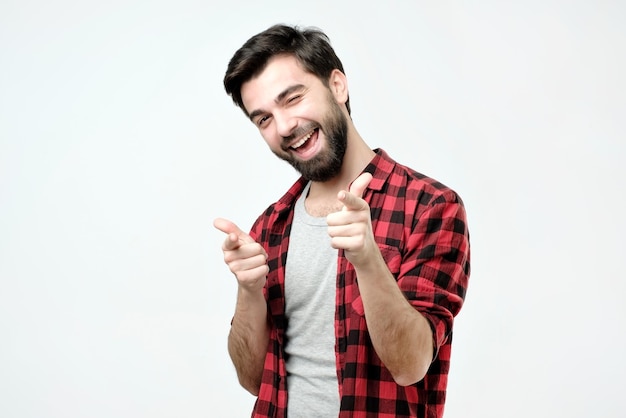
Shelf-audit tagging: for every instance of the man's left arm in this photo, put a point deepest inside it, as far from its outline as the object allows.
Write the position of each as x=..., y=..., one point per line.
x=402, y=337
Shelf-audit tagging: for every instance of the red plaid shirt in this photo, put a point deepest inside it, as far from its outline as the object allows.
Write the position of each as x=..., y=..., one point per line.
x=420, y=226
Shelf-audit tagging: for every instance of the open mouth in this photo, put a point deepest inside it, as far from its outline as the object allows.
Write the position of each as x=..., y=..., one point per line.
x=302, y=141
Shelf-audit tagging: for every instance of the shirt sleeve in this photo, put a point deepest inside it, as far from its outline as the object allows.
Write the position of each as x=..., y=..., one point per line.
x=435, y=267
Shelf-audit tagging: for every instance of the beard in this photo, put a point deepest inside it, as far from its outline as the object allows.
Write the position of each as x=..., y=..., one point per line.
x=327, y=164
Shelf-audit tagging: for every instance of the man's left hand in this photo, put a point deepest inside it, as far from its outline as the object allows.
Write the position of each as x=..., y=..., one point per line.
x=351, y=228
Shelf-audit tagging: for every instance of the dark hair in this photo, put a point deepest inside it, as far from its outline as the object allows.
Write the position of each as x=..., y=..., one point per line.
x=310, y=46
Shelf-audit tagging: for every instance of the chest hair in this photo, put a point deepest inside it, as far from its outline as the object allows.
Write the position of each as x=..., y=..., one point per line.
x=322, y=208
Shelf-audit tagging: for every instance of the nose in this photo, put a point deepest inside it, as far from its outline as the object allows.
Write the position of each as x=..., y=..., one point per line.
x=285, y=124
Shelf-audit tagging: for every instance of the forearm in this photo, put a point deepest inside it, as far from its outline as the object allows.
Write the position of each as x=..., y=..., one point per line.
x=248, y=338
x=401, y=336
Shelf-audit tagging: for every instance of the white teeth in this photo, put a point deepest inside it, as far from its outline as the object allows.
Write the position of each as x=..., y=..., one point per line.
x=302, y=141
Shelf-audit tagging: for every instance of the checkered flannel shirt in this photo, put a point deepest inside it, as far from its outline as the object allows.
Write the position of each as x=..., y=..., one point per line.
x=420, y=226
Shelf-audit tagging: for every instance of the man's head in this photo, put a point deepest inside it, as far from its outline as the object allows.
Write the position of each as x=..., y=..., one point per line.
x=310, y=47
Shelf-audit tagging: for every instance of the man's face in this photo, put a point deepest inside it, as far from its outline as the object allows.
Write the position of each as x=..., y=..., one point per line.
x=299, y=118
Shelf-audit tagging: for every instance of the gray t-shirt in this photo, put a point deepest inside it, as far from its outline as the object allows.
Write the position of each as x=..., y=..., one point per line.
x=310, y=280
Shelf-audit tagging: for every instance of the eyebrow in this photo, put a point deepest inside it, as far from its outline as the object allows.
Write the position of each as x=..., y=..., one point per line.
x=281, y=96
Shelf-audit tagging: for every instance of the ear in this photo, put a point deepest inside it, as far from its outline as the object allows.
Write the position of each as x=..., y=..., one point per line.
x=338, y=85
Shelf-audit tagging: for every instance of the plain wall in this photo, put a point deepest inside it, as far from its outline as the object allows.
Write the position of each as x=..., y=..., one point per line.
x=118, y=148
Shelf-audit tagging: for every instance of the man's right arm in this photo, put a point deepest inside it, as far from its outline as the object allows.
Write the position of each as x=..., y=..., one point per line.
x=248, y=338
x=249, y=333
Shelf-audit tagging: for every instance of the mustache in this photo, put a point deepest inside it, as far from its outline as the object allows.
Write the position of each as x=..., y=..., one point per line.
x=299, y=132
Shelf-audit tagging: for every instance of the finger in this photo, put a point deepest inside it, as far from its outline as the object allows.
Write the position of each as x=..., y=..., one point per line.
x=244, y=251
x=236, y=237
x=253, y=274
x=359, y=185
x=226, y=226
x=237, y=264
x=346, y=243
x=352, y=200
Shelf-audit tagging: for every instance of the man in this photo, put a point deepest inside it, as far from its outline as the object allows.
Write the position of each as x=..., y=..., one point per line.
x=347, y=285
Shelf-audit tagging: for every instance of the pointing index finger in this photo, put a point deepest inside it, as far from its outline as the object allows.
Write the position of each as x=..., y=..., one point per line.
x=235, y=236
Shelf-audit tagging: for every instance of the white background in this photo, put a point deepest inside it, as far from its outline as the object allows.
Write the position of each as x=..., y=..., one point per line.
x=118, y=148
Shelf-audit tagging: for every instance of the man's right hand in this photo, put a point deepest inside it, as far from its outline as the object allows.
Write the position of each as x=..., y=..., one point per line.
x=245, y=258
